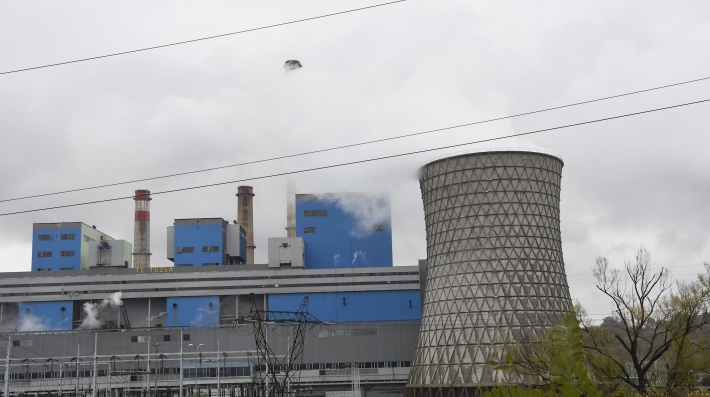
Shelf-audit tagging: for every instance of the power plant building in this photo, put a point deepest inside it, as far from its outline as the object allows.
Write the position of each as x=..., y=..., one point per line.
x=495, y=272
x=369, y=309
x=68, y=246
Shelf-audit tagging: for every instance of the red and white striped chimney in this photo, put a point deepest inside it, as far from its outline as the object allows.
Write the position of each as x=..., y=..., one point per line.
x=141, y=231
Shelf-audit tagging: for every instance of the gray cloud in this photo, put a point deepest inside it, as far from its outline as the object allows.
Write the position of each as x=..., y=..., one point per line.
x=400, y=69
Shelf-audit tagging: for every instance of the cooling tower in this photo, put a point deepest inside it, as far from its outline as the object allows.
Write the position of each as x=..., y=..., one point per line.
x=495, y=273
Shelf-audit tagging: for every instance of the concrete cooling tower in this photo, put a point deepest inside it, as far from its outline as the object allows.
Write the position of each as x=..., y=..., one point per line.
x=495, y=273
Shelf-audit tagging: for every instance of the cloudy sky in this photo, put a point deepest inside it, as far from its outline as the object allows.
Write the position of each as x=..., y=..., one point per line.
x=392, y=70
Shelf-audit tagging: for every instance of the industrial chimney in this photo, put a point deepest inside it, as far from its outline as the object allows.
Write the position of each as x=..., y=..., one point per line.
x=291, y=216
x=141, y=231
x=245, y=218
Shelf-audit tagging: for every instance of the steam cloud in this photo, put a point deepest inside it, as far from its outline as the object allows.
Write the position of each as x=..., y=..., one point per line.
x=368, y=211
x=360, y=254
x=199, y=318
x=91, y=321
x=33, y=323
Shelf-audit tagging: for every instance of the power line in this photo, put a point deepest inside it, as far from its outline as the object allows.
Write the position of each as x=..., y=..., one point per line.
x=367, y=160
x=356, y=144
x=200, y=39
x=652, y=268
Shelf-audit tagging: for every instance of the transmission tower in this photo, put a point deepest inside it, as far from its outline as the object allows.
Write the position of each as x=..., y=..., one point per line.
x=281, y=371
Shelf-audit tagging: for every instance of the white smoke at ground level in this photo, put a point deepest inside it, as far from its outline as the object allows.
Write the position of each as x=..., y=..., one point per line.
x=93, y=310
x=30, y=322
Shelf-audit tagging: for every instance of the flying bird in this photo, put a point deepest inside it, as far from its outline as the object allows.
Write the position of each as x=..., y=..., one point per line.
x=292, y=64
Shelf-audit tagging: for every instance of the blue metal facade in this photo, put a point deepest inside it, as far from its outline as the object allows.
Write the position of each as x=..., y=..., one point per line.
x=55, y=246
x=198, y=236
x=45, y=316
x=335, y=238
x=192, y=311
x=354, y=306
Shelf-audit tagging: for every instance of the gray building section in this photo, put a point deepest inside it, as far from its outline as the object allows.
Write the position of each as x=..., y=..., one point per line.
x=112, y=253
x=494, y=270
x=383, y=350
x=286, y=252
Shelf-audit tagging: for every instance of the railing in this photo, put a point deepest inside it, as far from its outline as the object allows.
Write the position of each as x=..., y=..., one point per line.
x=495, y=149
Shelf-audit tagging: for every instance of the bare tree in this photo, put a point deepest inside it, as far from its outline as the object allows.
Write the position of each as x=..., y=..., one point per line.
x=651, y=319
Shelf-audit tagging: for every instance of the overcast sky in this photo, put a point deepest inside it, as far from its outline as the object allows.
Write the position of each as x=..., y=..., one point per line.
x=387, y=71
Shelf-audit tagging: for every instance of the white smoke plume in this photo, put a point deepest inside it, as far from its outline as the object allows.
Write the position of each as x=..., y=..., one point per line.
x=369, y=211
x=360, y=254
x=153, y=318
x=91, y=321
x=336, y=258
x=33, y=323
x=199, y=318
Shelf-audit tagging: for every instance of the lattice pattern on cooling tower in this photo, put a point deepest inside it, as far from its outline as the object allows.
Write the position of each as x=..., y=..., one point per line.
x=495, y=269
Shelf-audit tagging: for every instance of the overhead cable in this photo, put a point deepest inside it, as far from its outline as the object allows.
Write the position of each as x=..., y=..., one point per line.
x=200, y=39
x=365, y=160
x=355, y=144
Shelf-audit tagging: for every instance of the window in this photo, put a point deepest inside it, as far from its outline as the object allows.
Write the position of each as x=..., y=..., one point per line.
x=378, y=228
x=166, y=338
x=44, y=269
x=309, y=230
x=185, y=250
x=66, y=268
x=66, y=253
x=210, y=264
x=44, y=254
x=184, y=264
x=134, y=339
x=186, y=337
x=315, y=213
x=87, y=239
x=211, y=248
x=68, y=236
x=44, y=237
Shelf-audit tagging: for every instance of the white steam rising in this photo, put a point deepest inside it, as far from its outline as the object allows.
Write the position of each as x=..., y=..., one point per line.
x=91, y=321
x=361, y=254
x=370, y=212
x=30, y=322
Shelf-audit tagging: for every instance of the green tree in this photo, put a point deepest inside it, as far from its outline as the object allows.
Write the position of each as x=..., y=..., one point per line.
x=568, y=374
x=651, y=320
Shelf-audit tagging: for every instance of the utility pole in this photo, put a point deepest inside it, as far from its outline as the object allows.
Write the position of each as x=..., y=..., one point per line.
x=93, y=382
x=181, y=374
x=60, y=378
x=219, y=388
x=7, y=367
x=78, y=350
x=155, y=379
x=147, y=376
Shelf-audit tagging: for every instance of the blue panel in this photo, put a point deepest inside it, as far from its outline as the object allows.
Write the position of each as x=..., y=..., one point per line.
x=56, y=245
x=357, y=306
x=45, y=316
x=343, y=238
x=198, y=236
x=192, y=311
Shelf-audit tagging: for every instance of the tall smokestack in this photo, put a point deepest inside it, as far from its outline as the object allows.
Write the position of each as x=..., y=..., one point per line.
x=290, y=208
x=245, y=218
x=141, y=230
x=290, y=216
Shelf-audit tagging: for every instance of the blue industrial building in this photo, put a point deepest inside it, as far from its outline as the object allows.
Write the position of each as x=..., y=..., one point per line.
x=354, y=306
x=45, y=316
x=206, y=242
x=344, y=230
x=65, y=246
x=192, y=311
